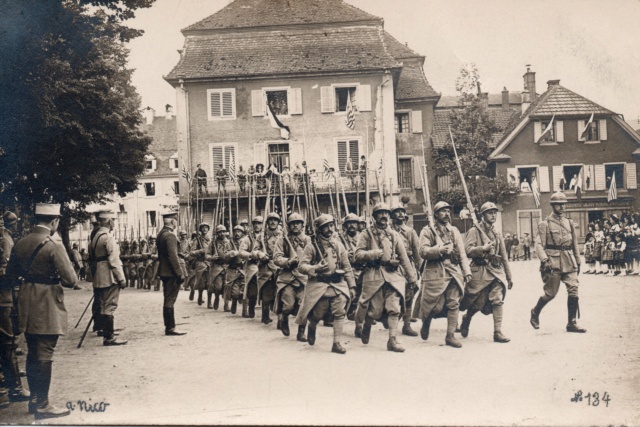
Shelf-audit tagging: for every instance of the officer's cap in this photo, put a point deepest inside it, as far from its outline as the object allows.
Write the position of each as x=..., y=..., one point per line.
x=48, y=209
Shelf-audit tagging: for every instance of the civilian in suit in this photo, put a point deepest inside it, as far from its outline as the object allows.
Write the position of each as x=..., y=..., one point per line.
x=169, y=270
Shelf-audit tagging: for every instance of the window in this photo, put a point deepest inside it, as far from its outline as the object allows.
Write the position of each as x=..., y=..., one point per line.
x=221, y=104
x=151, y=219
x=348, y=154
x=150, y=188
x=592, y=132
x=278, y=101
x=570, y=176
x=549, y=136
x=525, y=177
x=173, y=164
x=618, y=171
x=404, y=173
x=221, y=155
x=342, y=96
x=279, y=155
x=176, y=187
x=148, y=164
x=402, y=123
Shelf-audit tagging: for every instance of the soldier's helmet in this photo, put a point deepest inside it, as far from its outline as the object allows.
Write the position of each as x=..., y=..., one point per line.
x=257, y=219
x=558, y=197
x=152, y=238
x=441, y=205
x=361, y=220
x=143, y=242
x=488, y=206
x=273, y=215
x=398, y=207
x=203, y=225
x=134, y=243
x=74, y=246
x=221, y=228
x=238, y=227
x=295, y=217
x=244, y=222
x=323, y=219
x=351, y=218
x=9, y=218
x=183, y=233
x=380, y=207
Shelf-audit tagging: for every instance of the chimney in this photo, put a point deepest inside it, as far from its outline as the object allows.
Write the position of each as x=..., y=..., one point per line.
x=168, y=111
x=148, y=115
x=552, y=83
x=484, y=101
x=526, y=100
x=530, y=83
x=505, y=99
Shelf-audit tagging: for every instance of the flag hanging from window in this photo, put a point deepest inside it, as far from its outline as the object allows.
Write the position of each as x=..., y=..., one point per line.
x=350, y=119
x=586, y=127
x=277, y=124
x=535, y=189
x=613, y=191
x=232, y=168
x=547, y=129
x=325, y=167
x=579, y=185
x=185, y=174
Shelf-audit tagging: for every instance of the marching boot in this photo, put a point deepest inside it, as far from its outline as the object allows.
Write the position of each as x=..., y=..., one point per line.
x=284, y=325
x=392, y=344
x=43, y=408
x=216, y=301
x=192, y=294
x=497, y=325
x=252, y=307
x=279, y=322
x=358, y=331
x=200, y=300
x=452, y=321
x=301, y=337
x=171, y=328
x=209, y=306
x=12, y=382
x=245, y=308
x=337, y=348
x=338, y=326
x=406, y=328
x=234, y=306
x=366, y=331
x=424, y=330
x=109, y=336
x=32, y=379
x=311, y=335
x=573, y=308
x=535, y=313
x=266, y=318
x=466, y=322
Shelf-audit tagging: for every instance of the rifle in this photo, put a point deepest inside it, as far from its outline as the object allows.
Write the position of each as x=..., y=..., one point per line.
x=337, y=198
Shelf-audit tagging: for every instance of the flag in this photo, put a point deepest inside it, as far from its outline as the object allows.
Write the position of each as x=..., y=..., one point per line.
x=613, y=191
x=325, y=166
x=588, y=180
x=350, y=119
x=277, y=124
x=536, y=191
x=586, y=127
x=185, y=174
x=579, y=185
x=232, y=168
x=547, y=129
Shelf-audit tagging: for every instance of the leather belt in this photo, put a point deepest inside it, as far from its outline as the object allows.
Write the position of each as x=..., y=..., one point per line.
x=42, y=280
x=559, y=247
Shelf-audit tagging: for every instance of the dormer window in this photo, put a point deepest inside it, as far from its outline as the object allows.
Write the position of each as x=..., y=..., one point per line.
x=173, y=163
x=149, y=163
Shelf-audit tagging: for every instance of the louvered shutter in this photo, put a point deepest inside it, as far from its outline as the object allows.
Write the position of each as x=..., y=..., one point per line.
x=558, y=175
x=416, y=121
x=601, y=179
x=343, y=153
x=296, y=153
x=512, y=176
x=543, y=179
x=228, y=110
x=537, y=131
x=153, y=164
x=354, y=153
x=632, y=178
x=444, y=183
x=417, y=170
x=581, y=125
x=259, y=154
x=230, y=150
x=603, y=129
x=295, y=101
x=363, y=93
x=327, y=101
x=257, y=103
x=559, y=131
x=217, y=158
x=216, y=104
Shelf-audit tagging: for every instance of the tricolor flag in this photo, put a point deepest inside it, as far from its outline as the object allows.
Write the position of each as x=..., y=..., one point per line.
x=586, y=127
x=579, y=185
x=185, y=174
x=232, y=168
x=350, y=119
x=547, y=129
x=613, y=191
x=277, y=124
x=536, y=190
x=325, y=166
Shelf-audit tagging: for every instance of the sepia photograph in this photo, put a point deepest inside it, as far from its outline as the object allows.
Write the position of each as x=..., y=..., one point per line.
x=319, y=212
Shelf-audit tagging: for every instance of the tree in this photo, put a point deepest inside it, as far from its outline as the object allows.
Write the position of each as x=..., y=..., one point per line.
x=71, y=116
x=472, y=131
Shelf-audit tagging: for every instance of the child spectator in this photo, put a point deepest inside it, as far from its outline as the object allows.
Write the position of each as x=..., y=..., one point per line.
x=589, y=259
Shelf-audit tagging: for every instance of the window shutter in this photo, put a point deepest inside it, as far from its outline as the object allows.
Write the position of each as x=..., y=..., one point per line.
x=354, y=153
x=603, y=129
x=257, y=103
x=444, y=183
x=296, y=153
x=543, y=179
x=153, y=164
x=327, y=102
x=537, y=131
x=363, y=93
x=416, y=121
x=601, y=179
x=512, y=176
x=558, y=174
x=632, y=178
x=216, y=104
x=295, y=101
x=228, y=110
x=581, y=125
x=559, y=131
x=259, y=154
x=415, y=165
x=228, y=151
x=589, y=183
x=216, y=158
x=342, y=155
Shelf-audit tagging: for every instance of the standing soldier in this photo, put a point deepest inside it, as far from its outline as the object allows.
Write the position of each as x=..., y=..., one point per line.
x=183, y=255
x=490, y=273
x=43, y=267
x=351, y=233
x=383, y=286
x=152, y=268
x=169, y=271
x=124, y=257
x=76, y=259
x=291, y=282
x=557, y=249
x=201, y=266
x=444, y=275
x=411, y=243
x=216, y=254
x=268, y=271
x=132, y=264
x=108, y=277
x=8, y=345
x=330, y=284
x=234, y=277
x=251, y=251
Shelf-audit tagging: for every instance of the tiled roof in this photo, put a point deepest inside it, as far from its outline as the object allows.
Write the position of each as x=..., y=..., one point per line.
x=561, y=101
x=450, y=101
x=413, y=83
x=262, y=13
x=164, y=143
x=399, y=50
x=442, y=119
x=243, y=54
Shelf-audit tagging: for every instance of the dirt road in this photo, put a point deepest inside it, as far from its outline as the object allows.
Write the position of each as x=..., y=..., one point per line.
x=230, y=370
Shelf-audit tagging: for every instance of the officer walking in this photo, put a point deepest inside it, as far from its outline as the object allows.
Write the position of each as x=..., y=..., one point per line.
x=43, y=267
x=557, y=249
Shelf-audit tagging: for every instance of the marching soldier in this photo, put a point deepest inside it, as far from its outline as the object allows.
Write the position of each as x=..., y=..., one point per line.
x=251, y=251
x=351, y=233
x=234, y=277
x=557, y=249
x=169, y=270
x=131, y=265
x=330, y=282
x=490, y=273
x=144, y=261
x=291, y=282
x=444, y=275
x=268, y=271
x=383, y=286
x=200, y=265
x=183, y=256
x=43, y=267
x=153, y=265
x=362, y=224
x=411, y=243
x=124, y=257
x=108, y=277
x=216, y=254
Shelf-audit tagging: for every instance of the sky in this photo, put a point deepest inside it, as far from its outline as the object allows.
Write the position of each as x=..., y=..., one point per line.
x=592, y=46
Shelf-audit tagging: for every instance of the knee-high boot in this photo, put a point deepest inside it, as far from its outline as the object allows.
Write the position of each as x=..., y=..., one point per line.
x=535, y=313
x=573, y=309
x=12, y=381
x=32, y=379
x=466, y=322
x=44, y=409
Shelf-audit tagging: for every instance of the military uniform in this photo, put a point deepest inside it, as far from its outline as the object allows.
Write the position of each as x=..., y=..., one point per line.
x=216, y=254
x=183, y=256
x=132, y=267
x=199, y=264
x=234, y=277
x=251, y=251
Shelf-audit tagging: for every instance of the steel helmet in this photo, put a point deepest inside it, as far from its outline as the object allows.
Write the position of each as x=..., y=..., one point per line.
x=9, y=218
x=258, y=219
x=488, y=206
x=361, y=220
x=273, y=215
x=323, y=219
x=441, y=205
x=204, y=225
x=143, y=241
x=351, y=218
x=152, y=238
x=238, y=227
x=220, y=228
x=183, y=233
x=398, y=207
x=295, y=217
x=244, y=222
x=558, y=197
x=379, y=207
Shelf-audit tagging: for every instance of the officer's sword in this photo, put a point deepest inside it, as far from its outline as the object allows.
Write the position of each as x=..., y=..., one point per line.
x=85, y=310
x=85, y=333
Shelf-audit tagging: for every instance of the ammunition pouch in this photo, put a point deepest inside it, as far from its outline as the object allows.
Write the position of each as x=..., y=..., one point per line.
x=335, y=277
